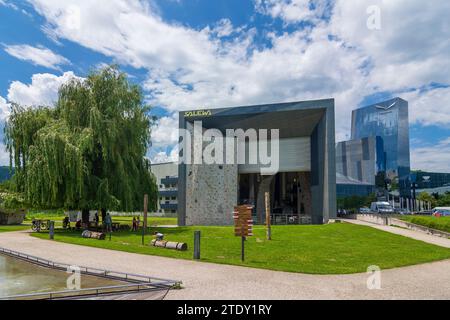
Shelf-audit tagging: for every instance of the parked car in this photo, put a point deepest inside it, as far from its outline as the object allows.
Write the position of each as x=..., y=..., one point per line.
x=441, y=212
x=342, y=213
x=382, y=208
x=403, y=212
x=424, y=213
x=364, y=210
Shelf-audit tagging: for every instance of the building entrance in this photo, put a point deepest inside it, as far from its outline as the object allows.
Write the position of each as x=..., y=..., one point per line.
x=290, y=196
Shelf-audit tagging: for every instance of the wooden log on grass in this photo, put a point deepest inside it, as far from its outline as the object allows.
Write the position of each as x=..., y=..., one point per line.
x=180, y=246
x=93, y=235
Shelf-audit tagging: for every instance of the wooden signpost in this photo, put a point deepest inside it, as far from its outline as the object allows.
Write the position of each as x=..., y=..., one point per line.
x=243, y=225
x=268, y=222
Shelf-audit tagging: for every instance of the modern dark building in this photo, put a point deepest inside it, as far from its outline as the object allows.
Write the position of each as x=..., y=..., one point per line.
x=303, y=186
x=348, y=187
x=430, y=180
x=363, y=160
x=389, y=121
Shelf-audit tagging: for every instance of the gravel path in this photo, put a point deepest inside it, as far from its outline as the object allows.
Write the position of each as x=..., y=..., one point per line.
x=215, y=281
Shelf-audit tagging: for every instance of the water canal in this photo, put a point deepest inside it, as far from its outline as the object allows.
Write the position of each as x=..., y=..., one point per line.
x=19, y=277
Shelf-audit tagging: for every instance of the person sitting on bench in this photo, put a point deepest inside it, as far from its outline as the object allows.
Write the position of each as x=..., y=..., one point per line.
x=159, y=236
x=66, y=223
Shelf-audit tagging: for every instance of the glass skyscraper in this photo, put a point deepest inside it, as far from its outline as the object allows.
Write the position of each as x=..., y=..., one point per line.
x=363, y=160
x=389, y=121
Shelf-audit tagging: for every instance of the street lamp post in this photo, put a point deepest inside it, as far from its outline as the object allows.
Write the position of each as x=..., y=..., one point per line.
x=414, y=186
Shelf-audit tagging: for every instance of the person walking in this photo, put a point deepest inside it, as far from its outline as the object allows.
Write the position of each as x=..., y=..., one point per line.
x=108, y=222
x=134, y=228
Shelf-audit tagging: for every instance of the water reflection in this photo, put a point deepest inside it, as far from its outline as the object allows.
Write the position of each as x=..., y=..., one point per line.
x=21, y=277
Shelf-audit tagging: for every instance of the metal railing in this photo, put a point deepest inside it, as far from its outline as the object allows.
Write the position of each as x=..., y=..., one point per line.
x=135, y=282
x=91, y=292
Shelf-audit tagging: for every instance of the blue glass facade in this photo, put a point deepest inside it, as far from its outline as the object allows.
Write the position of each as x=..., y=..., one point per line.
x=389, y=121
x=363, y=160
x=428, y=180
x=349, y=190
x=348, y=187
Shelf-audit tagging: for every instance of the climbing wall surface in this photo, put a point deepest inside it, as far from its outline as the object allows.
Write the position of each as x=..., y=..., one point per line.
x=211, y=192
x=211, y=195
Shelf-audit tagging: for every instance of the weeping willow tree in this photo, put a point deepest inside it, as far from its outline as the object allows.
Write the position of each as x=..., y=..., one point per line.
x=88, y=152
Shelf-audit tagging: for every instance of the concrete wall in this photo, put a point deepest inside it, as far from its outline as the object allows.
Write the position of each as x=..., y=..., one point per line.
x=330, y=209
x=323, y=168
x=415, y=227
x=374, y=218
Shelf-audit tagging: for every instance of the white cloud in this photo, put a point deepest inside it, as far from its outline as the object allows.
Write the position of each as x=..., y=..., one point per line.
x=189, y=68
x=4, y=155
x=165, y=131
x=428, y=108
x=8, y=4
x=126, y=30
x=435, y=158
x=43, y=89
x=4, y=113
x=224, y=28
x=410, y=50
x=293, y=11
x=40, y=56
x=293, y=69
x=165, y=140
x=4, y=109
x=163, y=157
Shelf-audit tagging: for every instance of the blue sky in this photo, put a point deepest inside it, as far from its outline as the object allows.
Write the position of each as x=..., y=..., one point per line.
x=203, y=53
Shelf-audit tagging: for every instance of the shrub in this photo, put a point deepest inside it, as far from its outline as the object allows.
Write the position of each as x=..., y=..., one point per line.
x=442, y=223
x=11, y=200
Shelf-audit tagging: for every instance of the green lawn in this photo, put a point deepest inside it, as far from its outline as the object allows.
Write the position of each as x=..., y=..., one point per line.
x=55, y=215
x=14, y=228
x=58, y=216
x=327, y=249
x=152, y=221
x=442, y=223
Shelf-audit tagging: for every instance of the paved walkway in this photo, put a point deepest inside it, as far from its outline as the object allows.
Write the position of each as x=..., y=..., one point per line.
x=438, y=241
x=215, y=281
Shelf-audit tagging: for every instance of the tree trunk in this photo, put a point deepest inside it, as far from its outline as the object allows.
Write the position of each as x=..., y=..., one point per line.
x=263, y=187
x=103, y=210
x=85, y=215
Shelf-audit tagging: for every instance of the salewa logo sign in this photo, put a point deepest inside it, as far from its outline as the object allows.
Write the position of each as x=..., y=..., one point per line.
x=198, y=113
x=387, y=107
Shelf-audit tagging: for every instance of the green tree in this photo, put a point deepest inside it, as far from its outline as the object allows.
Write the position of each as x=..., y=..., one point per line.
x=88, y=152
x=444, y=200
x=394, y=184
x=353, y=203
x=426, y=197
